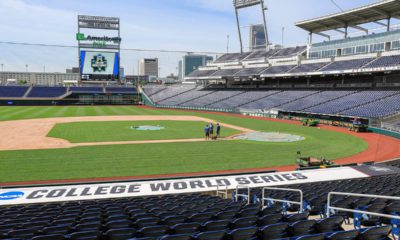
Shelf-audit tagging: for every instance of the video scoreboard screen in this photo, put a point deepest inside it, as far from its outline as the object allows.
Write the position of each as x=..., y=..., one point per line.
x=99, y=63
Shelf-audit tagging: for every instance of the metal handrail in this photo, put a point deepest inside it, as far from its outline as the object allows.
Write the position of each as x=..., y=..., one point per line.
x=282, y=200
x=222, y=192
x=329, y=207
x=242, y=195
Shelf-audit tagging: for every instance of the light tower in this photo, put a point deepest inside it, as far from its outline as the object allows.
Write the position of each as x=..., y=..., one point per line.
x=240, y=4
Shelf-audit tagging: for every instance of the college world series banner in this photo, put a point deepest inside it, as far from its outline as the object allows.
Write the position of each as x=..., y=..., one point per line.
x=189, y=185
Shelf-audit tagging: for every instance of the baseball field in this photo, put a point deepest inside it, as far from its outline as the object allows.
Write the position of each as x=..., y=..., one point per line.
x=84, y=142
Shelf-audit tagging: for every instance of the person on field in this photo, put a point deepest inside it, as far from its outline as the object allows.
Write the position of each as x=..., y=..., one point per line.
x=211, y=130
x=207, y=132
x=218, y=130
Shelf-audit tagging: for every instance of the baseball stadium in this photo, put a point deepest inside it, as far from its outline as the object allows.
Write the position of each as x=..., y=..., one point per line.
x=269, y=142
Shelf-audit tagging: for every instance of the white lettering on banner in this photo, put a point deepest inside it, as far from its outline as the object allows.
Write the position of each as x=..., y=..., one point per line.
x=159, y=187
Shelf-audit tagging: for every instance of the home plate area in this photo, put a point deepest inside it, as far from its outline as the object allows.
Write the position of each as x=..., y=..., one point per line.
x=269, y=137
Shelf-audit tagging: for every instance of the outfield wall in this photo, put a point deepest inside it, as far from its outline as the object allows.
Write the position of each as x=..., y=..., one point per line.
x=75, y=99
x=385, y=132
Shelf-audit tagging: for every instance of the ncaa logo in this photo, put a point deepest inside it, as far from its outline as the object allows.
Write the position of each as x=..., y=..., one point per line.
x=11, y=195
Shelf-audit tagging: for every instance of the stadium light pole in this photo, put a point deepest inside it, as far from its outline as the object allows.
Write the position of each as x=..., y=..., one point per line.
x=227, y=43
x=26, y=67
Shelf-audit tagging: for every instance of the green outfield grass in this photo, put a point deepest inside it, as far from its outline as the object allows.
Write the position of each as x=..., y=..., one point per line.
x=144, y=159
x=79, y=132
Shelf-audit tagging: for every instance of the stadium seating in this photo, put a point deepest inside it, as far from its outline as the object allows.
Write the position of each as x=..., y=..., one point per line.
x=120, y=90
x=262, y=54
x=198, y=216
x=363, y=103
x=246, y=72
x=278, y=99
x=380, y=108
x=289, y=52
x=304, y=68
x=347, y=64
x=12, y=91
x=278, y=69
x=86, y=89
x=201, y=73
x=170, y=92
x=226, y=72
x=242, y=99
x=232, y=57
x=47, y=92
x=314, y=99
x=350, y=101
x=386, y=61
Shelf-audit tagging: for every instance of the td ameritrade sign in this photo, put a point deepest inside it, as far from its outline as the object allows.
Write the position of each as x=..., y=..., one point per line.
x=82, y=37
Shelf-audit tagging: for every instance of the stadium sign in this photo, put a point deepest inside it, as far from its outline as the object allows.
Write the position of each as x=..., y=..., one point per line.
x=82, y=37
x=176, y=186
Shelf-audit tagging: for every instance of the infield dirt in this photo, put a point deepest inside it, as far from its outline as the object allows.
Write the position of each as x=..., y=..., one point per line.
x=32, y=134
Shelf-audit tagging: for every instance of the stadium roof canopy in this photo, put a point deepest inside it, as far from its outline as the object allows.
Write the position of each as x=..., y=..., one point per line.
x=352, y=18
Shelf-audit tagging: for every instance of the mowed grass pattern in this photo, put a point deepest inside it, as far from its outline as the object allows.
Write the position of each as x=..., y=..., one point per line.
x=79, y=132
x=146, y=159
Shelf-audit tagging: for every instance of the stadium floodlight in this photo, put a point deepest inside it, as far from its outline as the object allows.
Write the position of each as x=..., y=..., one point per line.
x=238, y=4
x=245, y=3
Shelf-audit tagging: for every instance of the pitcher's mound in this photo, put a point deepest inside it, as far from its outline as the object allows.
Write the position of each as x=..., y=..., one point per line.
x=269, y=137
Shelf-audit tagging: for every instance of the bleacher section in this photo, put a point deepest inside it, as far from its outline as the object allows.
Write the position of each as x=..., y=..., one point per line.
x=120, y=90
x=232, y=57
x=260, y=55
x=278, y=99
x=12, y=91
x=363, y=103
x=245, y=97
x=380, y=108
x=159, y=96
x=56, y=92
x=314, y=99
x=86, y=89
x=202, y=73
x=211, y=98
x=278, y=69
x=246, y=72
x=186, y=97
x=350, y=101
x=204, y=217
x=355, y=64
x=47, y=92
x=289, y=52
x=226, y=72
x=386, y=61
x=347, y=64
x=304, y=68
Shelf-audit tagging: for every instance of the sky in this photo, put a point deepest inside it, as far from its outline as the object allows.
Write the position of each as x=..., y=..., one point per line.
x=176, y=25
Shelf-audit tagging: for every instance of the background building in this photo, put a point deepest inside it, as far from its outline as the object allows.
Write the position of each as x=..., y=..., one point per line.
x=72, y=70
x=191, y=63
x=37, y=78
x=256, y=37
x=148, y=67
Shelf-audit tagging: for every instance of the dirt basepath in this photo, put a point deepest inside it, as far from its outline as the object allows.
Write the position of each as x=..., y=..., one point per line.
x=32, y=133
